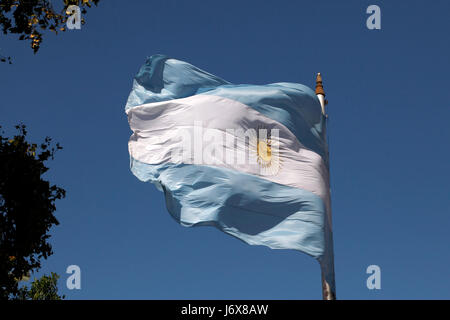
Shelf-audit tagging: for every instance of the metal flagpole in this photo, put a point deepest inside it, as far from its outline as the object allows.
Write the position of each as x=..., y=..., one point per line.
x=327, y=292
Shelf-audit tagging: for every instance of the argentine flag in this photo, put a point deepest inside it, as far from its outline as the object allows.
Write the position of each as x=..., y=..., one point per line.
x=250, y=160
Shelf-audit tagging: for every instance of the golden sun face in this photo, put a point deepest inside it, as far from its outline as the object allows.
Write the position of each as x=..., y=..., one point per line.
x=265, y=148
x=264, y=152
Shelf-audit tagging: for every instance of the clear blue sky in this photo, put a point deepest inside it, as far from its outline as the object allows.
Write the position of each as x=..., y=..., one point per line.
x=389, y=144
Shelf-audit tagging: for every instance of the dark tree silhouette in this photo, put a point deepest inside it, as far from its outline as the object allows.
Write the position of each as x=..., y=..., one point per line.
x=27, y=204
x=29, y=19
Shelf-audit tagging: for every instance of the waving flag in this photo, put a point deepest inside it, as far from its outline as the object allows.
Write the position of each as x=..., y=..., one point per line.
x=250, y=160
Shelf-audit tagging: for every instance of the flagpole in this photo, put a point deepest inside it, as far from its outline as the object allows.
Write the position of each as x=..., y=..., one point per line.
x=327, y=292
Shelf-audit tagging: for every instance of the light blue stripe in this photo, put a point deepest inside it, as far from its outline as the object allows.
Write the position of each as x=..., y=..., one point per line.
x=161, y=80
x=293, y=105
x=253, y=209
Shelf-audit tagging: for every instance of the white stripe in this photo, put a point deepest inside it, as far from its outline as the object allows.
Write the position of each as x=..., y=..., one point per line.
x=159, y=129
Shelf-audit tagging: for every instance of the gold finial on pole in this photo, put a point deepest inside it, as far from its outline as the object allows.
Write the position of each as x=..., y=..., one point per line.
x=321, y=93
x=319, y=86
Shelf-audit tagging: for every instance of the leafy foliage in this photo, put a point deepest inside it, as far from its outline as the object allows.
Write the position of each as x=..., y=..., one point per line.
x=27, y=203
x=30, y=18
x=44, y=288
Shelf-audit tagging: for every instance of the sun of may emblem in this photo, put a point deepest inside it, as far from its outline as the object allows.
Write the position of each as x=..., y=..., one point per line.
x=265, y=146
